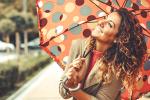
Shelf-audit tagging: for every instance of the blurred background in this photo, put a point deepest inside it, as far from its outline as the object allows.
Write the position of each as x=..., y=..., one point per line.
x=26, y=72
x=20, y=55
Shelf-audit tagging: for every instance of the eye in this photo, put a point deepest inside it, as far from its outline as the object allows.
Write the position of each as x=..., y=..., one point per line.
x=105, y=17
x=110, y=25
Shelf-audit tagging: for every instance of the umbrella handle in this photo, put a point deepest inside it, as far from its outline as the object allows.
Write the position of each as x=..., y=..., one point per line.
x=86, y=53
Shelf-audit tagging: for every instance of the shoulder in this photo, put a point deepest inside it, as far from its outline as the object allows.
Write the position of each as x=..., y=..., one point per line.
x=79, y=42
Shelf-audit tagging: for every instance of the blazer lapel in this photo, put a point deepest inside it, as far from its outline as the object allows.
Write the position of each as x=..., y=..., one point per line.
x=94, y=76
x=87, y=60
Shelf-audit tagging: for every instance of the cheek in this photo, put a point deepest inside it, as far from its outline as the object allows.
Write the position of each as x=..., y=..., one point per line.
x=110, y=32
x=96, y=33
x=110, y=36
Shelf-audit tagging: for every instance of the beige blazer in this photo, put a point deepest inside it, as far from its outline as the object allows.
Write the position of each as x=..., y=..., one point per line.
x=106, y=92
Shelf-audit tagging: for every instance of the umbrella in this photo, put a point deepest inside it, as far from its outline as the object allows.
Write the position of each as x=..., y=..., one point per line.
x=61, y=21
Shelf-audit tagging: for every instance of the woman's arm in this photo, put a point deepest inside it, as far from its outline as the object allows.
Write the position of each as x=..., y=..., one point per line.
x=74, y=52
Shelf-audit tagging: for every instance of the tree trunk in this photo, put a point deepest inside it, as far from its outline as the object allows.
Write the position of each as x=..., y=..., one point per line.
x=26, y=42
x=17, y=43
x=4, y=37
x=7, y=41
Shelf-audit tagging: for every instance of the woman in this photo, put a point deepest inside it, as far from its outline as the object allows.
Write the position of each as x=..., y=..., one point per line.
x=116, y=49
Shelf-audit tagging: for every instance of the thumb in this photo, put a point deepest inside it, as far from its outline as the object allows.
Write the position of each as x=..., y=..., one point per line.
x=83, y=60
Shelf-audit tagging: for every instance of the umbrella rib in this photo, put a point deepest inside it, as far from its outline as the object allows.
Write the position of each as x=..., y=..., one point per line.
x=98, y=6
x=118, y=3
x=68, y=30
x=140, y=13
x=146, y=31
x=124, y=3
x=139, y=9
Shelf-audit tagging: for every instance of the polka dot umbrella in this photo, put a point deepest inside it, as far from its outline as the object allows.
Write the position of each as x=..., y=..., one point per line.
x=61, y=21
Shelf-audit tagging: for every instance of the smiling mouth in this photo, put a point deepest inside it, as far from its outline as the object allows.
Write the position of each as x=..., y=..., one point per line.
x=99, y=29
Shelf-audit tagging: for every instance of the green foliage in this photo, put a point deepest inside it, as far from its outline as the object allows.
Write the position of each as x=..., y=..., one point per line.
x=19, y=20
x=13, y=9
x=23, y=62
x=29, y=20
x=7, y=26
x=23, y=20
x=9, y=12
x=14, y=72
x=7, y=1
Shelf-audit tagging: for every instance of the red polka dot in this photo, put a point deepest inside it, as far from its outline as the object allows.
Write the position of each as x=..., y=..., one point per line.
x=47, y=11
x=43, y=22
x=86, y=32
x=79, y=2
x=91, y=17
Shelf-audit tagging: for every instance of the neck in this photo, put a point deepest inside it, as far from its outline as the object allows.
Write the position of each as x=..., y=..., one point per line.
x=100, y=46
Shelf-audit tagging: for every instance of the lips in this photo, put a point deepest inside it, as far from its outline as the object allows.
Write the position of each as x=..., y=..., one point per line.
x=98, y=29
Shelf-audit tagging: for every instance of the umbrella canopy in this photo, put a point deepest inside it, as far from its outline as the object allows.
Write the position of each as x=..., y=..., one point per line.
x=61, y=21
x=141, y=8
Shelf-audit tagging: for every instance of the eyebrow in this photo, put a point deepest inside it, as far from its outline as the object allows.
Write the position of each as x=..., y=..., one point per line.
x=112, y=22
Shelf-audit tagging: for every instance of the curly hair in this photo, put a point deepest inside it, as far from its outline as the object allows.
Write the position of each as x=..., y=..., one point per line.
x=125, y=56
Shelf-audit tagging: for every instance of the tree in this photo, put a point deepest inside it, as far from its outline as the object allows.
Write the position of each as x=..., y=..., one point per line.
x=20, y=25
x=14, y=10
x=29, y=25
x=7, y=27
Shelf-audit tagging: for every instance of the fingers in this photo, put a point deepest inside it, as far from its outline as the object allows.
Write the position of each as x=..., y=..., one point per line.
x=78, y=61
x=78, y=58
x=71, y=74
x=78, y=64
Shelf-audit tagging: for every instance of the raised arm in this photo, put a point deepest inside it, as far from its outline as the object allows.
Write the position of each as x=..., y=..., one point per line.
x=74, y=52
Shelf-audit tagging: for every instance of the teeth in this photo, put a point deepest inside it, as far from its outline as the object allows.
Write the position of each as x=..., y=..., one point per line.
x=98, y=29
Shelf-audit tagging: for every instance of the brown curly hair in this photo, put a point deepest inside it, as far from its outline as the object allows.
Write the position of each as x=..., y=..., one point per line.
x=125, y=56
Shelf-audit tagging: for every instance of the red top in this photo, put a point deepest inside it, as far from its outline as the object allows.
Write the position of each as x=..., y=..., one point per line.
x=95, y=55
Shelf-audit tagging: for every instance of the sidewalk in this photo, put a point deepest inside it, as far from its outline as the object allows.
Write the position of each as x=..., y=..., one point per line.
x=43, y=86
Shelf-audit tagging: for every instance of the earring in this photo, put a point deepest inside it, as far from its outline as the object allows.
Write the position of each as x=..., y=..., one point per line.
x=115, y=41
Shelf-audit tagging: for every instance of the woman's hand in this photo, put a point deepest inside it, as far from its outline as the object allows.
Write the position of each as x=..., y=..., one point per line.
x=71, y=75
x=79, y=65
x=76, y=72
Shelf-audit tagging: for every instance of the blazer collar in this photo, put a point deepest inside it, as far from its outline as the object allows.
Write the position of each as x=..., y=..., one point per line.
x=94, y=76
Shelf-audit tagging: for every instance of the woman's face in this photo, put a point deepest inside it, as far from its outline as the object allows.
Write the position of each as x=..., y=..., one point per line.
x=107, y=28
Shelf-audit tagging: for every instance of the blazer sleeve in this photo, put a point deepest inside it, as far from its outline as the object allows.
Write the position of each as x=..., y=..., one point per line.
x=109, y=91
x=73, y=53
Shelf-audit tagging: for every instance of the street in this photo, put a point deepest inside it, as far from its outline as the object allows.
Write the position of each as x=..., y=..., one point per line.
x=43, y=86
